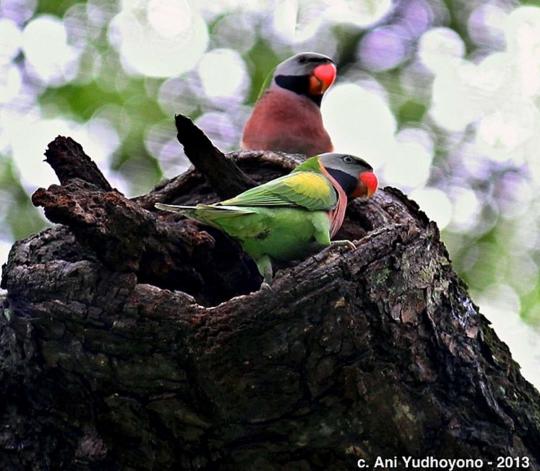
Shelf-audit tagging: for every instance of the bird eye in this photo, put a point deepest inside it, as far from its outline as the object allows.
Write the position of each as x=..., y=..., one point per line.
x=348, y=159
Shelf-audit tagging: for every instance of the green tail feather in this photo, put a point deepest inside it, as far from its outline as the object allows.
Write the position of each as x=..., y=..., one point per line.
x=222, y=210
x=173, y=208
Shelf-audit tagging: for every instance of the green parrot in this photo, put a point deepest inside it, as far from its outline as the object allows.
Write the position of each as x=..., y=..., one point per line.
x=291, y=216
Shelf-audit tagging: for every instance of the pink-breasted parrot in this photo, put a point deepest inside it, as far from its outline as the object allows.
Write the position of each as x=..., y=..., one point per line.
x=287, y=116
x=291, y=216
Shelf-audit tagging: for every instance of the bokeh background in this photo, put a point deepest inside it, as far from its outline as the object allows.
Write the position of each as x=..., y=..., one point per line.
x=441, y=96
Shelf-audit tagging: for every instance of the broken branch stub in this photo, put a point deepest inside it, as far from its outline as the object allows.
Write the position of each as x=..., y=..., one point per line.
x=226, y=178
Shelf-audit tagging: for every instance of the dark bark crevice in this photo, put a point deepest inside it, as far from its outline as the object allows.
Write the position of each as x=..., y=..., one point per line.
x=134, y=339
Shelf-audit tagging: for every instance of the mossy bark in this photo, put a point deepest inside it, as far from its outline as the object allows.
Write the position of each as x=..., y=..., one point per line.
x=132, y=339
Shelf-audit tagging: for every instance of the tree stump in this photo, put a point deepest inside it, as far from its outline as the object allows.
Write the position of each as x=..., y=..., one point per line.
x=136, y=339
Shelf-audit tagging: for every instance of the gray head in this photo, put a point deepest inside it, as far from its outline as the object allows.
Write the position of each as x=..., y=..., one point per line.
x=352, y=173
x=307, y=73
x=302, y=63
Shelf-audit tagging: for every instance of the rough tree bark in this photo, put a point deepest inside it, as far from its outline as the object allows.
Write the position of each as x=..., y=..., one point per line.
x=135, y=339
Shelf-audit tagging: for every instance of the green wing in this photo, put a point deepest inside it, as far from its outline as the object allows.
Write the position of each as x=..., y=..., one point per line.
x=309, y=190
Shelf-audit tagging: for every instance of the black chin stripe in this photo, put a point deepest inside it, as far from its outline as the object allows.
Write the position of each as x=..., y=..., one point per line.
x=295, y=83
x=298, y=84
x=346, y=181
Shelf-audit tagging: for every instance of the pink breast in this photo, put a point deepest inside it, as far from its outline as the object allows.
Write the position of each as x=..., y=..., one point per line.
x=337, y=215
x=288, y=122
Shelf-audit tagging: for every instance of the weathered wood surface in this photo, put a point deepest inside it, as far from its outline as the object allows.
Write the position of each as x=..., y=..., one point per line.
x=121, y=348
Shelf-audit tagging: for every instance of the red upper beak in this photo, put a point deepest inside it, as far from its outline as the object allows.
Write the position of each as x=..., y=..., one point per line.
x=322, y=78
x=367, y=184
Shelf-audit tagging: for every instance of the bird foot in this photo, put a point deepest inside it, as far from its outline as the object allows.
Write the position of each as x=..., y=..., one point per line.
x=338, y=243
x=343, y=243
x=265, y=286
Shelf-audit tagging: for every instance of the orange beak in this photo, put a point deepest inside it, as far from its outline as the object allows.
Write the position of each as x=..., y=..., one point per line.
x=367, y=185
x=322, y=78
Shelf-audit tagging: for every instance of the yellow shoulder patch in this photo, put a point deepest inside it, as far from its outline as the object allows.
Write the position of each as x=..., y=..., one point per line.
x=310, y=184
